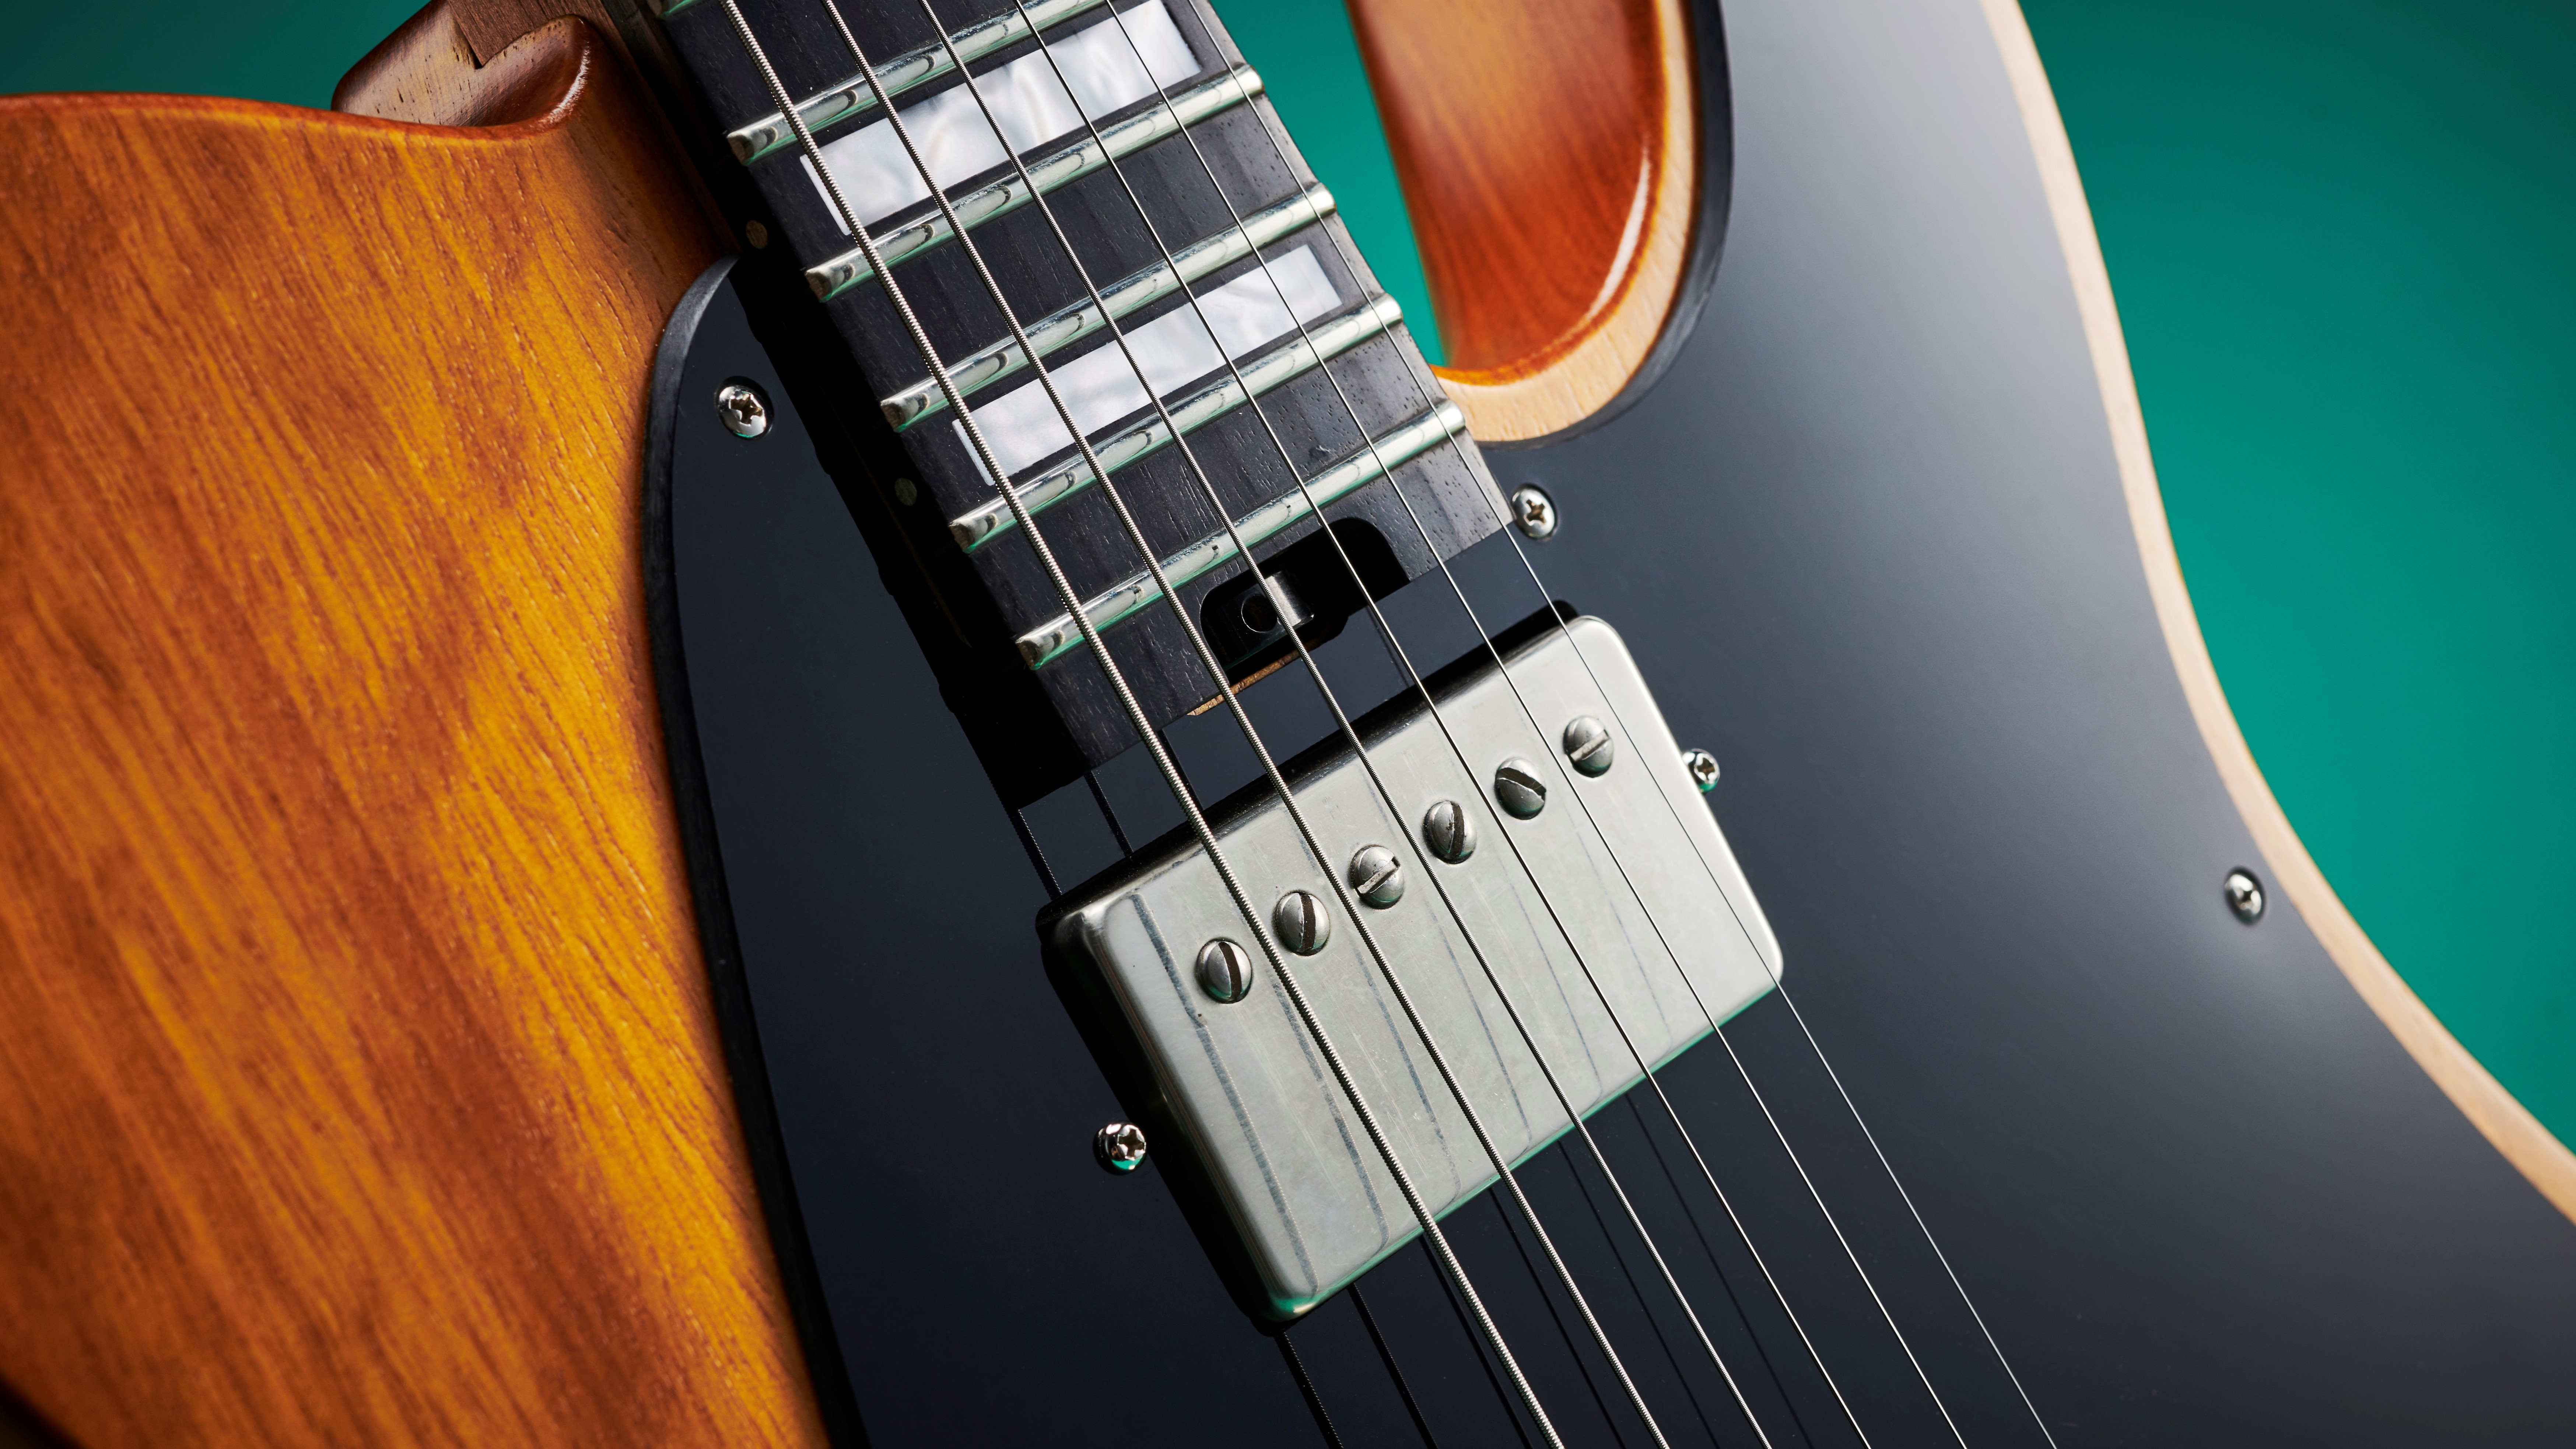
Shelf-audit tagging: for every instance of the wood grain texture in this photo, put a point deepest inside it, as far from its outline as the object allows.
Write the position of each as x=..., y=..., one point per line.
x=1548, y=151
x=358, y=1077
x=2505, y=1122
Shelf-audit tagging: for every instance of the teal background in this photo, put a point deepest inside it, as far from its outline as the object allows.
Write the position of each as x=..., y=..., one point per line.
x=2341, y=239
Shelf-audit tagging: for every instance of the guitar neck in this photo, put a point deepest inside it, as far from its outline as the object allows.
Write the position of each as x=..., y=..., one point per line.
x=1133, y=209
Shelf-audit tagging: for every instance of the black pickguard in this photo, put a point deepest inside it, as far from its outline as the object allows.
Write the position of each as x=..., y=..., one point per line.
x=1867, y=540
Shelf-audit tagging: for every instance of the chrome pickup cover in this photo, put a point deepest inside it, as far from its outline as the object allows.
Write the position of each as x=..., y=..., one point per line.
x=1312, y=1201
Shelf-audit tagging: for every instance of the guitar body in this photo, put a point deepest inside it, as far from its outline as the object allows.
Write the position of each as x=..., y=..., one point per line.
x=361, y=1085
x=373, y=1035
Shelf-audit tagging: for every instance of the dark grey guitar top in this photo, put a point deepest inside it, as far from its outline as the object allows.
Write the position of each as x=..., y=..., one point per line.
x=1867, y=540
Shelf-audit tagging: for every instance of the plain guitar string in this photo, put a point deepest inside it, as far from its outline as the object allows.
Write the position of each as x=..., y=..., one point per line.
x=1314, y=846
x=1957, y=1285
x=1386, y=797
x=1117, y=680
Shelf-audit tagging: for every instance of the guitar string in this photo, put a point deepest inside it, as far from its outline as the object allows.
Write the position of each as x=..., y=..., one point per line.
x=1788, y=1000
x=1644, y=1067
x=1494, y=1156
x=1452, y=1268
x=1361, y=752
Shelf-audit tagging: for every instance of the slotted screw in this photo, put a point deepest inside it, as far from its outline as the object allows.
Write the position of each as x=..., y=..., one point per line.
x=1588, y=747
x=1377, y=877
x=1301, y=922
x=1447, y=832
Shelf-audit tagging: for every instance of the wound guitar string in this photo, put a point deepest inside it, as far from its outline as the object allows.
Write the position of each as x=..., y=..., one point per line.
x=1815, y=1047
x=1343, y=721
x=1164, y=762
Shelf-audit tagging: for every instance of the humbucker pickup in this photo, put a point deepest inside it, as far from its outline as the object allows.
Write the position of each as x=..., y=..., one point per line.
x=1606, y=928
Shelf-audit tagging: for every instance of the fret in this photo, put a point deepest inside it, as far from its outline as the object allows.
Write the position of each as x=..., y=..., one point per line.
x=979, y=526
x=1142, y=288
x=850, y=99
x=1363, y=465
x=1051, y=172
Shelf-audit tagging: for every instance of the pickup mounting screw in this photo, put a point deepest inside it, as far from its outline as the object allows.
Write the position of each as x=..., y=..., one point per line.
x=1121, y=1146
x=1302, y=923
x=1701, y=766
x=2245, y=895
x=743, y=409
x=1447, y=832
x=1377, y=877
x=1518, y=789
x=1588, y=747
x=1225, y=970
x=1534, y=513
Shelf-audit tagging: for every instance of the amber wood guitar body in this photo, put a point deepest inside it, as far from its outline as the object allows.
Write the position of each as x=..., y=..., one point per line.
x=360, y=1085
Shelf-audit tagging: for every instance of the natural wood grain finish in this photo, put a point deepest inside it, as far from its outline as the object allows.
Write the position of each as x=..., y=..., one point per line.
x=2293, y=874
x=358, y=1078
x=1549, y=155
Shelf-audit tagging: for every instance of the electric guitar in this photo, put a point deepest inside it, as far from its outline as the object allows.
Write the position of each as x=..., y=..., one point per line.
x=799, y=721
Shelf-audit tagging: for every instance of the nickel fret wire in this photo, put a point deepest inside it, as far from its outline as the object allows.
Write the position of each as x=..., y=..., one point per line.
x=1361, y=751
x=1466, y=1106
x=1171, y=773
x=1502, y=1168
x=1787, y=1000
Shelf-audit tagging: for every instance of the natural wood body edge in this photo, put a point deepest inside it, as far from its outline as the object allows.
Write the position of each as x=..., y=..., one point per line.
x=1605, y=341
x=2531, y=1148
x=359, y=1080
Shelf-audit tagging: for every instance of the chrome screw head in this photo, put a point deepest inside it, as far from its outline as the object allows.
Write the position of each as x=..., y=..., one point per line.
x=1447, y=832
x=1377, y=877
x=1225, y=970
x=1518, y=788
x=1534, y=513
x=1588, y=747
x=1701, y=766
x=1301, y=922
x=2245, y=895
x=1120, y=1145
x=743, y=409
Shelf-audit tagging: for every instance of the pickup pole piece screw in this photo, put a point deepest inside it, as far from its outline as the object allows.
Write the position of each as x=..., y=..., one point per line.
x=1225, y=970
x=1518, y=789
x=1302, y=923
x=743, y=409
x=1588, y=747
x=1377, y=877
x=1447, y=832
x=1121, y=1146
x=1534, y=513
x=1701, y=766
x=2245, y=895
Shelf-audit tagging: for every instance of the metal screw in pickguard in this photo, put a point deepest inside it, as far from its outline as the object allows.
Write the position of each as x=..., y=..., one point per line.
x=1534, y=513
x=1588, y=747
x=1447, y=832
x=1518, y=789
x=743, y=409
x=1120, y=1146
x=1701, y=766
x=1377, y=877
x=1301, y=922
x=1225, y=970
x=2245, y=895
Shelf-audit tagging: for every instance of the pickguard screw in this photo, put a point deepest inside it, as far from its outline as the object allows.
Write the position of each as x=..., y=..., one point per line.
x=1377, y=877
x=1121, y=1145
x=1701, y=766
x=743, y=409
x=756, y=234
x=1534, y=513
x=1302, y=923
x=1447, y=832
x=2245, y=895
x=1518, y=789
x=1225, y=970
x=1588, y=747
x=906, y=492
